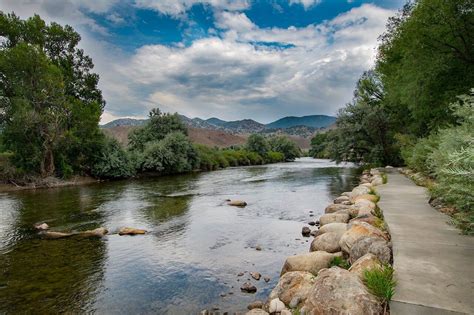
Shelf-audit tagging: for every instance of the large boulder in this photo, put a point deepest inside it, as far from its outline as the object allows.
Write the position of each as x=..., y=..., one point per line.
x=374, y=172
x=360, y=203
x=376, y=180
x=294, y=285
x=341, y=199
x=368, y=218
x=336, y=207
x=361, y=210
x=256, y=311
x=276, y=306
x=366, y=262
x=337, y=227
x=359, y=190
x=337, y=217
x=328, y=242
x=369, y=197
x=371, y=245
x=311, y=262
x=338, y=291
x=355, y=232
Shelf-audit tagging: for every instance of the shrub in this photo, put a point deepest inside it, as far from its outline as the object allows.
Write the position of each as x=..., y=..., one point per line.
x=112, y=162
x=274, y=157
x=380, y=283
x=258, y=144
x=283, y=145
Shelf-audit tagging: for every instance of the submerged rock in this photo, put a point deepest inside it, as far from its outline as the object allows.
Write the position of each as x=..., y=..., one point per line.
x=237, y=203
x=41, y=226
x=338, y=291
x=131, y=231
x=55, y=235
x=305, y=231
x=293, y=287
x=248, y=287
x=255, y=275
x=310, y=262
x=258, y=247
x=267, y=279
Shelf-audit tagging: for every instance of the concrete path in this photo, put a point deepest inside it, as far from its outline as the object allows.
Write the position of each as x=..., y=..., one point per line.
x=434, y=264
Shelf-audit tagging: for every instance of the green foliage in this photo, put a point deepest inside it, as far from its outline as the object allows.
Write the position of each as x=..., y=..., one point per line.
x=49, y=101
x=319, y=146
x=274, y=157
x=339, y=262
x=284, y=145
x=258, y=144
x=159, y=125
x=113, y=162
x=381, y=283
x=214, y=158
x=173, y=154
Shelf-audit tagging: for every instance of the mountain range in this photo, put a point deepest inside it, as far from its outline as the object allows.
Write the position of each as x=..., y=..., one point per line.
x=309, y=123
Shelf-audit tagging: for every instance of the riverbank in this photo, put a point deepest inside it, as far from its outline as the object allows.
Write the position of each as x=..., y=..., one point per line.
x=348, y=261
x=49, y=182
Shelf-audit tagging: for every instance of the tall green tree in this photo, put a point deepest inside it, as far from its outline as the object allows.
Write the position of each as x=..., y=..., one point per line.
x=50, y=102
x=258, y=144
x=284, y=145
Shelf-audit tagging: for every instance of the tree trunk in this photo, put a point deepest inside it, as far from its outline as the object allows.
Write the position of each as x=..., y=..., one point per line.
x=47, y=164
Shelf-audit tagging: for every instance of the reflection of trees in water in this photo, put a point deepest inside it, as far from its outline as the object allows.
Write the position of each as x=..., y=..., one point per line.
x=53, y=276
x=342, y=179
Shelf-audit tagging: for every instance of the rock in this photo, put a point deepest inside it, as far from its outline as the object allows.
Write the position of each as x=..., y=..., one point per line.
x=368, y=185
x=377, y=180
x=276, y=306
x=335, y=207
x=360, y=203
x=368, y=218
x=359, y=190
x=41, y=226
x=285, y=312
x=240, y=274
x=55, y=235
x=339, y=228
x=99, y=232
x=294, y=302
x=333, y=218
x=294, y=285
x=328, y=242
x=371, y=245
x=369, y=197
x=248, y=287
x=356, y=231
x=362, y=210
x=267, y=279
x=256, y=275
x=341, y=199
x=256, y=311
x=311, y=262
x=237, y=203
x=131, y=231
x=258, y=247
x=312, y=223
x=346, y=193
x=389, y=166
x=374, y=172
x=305, y=231
x=255, y=304
x=314, y=232
x=338, y=291
x=366, y=262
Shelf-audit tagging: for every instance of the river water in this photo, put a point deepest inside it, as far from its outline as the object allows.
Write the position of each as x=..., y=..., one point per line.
x=191, y=256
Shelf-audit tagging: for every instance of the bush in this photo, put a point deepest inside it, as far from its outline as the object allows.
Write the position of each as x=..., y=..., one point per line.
x=283, y=145
x=258, y=144
x=274, y=157
x=380, y=283
x=112, y=162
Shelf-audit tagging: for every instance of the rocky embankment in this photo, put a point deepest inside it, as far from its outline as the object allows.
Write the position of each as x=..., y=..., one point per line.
x=349, y=239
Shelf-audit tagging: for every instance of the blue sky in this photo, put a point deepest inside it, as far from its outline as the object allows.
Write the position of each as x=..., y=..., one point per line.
x=232, y=59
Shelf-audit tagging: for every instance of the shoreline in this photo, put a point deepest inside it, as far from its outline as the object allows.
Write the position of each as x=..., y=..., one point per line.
x=351, y=242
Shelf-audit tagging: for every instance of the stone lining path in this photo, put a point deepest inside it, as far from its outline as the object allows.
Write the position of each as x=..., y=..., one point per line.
x=434, y=264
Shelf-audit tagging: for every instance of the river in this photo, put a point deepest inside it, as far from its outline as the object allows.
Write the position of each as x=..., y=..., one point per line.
x=191, y=257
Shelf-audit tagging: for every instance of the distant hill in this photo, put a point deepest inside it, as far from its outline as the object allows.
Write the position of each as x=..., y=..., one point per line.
x=315, y=121
x=304, y=126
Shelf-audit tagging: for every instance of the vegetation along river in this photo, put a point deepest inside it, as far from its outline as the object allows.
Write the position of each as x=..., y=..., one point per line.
x=191, y=257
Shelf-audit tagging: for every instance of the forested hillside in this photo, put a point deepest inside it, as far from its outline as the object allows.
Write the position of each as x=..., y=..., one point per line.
x=416, y=106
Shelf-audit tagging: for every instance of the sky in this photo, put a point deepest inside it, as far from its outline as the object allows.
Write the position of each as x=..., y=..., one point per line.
x=230, y=59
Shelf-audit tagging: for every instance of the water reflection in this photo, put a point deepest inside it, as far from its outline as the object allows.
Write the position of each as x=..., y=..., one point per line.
x=196, y=245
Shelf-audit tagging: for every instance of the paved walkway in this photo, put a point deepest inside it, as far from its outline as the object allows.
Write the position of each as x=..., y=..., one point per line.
x=434, y=264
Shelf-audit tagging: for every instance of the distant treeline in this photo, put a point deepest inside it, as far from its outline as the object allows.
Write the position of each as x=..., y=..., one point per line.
x=416, y=107
x=50, y=107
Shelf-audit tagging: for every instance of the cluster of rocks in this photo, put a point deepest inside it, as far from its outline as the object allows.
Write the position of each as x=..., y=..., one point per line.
x=44, y=231
x=351, y=231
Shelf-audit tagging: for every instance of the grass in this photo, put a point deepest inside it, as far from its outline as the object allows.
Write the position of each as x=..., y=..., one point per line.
x=380, y=283
x=384, y=178
x=340, y=262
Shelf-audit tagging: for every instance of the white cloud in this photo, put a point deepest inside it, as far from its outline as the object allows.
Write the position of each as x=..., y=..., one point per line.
x=306, y=3
x=233, y=77
x=177, y=7
x=115, y=18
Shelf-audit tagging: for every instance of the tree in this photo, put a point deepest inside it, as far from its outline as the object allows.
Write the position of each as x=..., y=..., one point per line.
x=113, y=162
x=319, y=144
x=50, y=102
x=159, y=125
x=283, y=145
x=258, y=144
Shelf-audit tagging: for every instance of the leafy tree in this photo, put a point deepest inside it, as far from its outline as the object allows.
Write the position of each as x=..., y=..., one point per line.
x=159, y=125
x=283, y=145
x=49, y=99
x=319, y=146
x=113, y=162
x=258, y=144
